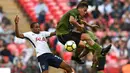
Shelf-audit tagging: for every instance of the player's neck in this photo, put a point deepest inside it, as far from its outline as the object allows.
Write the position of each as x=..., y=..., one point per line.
x=36, y=32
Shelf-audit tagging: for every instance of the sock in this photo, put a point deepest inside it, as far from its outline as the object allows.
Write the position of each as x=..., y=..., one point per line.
x=101, y=62
x=94, y=65
x=97, y=48
x=77, y=52
x=101, y=59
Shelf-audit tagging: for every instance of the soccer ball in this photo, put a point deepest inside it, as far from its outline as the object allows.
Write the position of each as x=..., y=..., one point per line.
x=70, y=46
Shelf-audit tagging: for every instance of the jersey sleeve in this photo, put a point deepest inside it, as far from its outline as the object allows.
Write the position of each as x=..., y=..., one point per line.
x=26, y=34
x=47, y=34
x=74, y=14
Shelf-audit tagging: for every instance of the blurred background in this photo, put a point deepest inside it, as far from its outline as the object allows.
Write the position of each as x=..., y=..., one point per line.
x=17, y=56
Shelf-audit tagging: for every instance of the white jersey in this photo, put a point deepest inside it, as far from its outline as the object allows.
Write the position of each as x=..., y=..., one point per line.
x=38, y=41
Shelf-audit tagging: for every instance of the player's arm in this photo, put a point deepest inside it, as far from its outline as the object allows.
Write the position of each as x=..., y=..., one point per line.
x=86, y=24
x=49, y=34
x=53, y=33
x=18, y=34
x=73, y=21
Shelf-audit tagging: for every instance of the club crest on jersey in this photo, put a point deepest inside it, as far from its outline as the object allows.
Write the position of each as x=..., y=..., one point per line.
x=41, y=39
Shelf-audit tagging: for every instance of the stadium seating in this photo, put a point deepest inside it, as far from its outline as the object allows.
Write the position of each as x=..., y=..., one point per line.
x=28, y=6
x=56, y=8
x=49, y=16
x=62, y=1
x=112, y=70
x=47, y=1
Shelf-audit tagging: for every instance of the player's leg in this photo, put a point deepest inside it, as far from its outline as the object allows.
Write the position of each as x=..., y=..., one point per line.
x=57, y=62
x=43, y=63
x=77, y=52
x=75, y=37
x=43, y=66
x=83, y=45
x=85, y=52
x=98, y=49
x=92, y=35
x=86, y=44
x=66, y=67
x=85, y=37
x=97, y=60
x=88, y=48
x=46, y=71
x=102, y=59
x=101, y=63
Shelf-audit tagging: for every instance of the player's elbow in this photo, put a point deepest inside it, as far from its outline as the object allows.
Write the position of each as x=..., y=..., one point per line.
x=72, y=21
x=17, y=35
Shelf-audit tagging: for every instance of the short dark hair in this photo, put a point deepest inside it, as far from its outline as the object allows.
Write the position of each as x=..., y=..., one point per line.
x=82, y=4
x=32, y=24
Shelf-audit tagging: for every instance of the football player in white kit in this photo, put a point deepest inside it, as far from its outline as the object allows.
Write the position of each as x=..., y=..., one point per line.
x=38, y=39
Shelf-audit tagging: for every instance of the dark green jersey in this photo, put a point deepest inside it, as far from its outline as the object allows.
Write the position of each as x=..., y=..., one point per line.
x=64, y=26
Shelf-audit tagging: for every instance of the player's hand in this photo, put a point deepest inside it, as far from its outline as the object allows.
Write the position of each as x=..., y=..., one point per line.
x=83, y=22
x=95, y=26
x=81, y=27
x=16, y=20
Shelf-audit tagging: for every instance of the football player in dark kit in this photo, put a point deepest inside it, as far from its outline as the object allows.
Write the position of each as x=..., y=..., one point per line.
x=72, y=27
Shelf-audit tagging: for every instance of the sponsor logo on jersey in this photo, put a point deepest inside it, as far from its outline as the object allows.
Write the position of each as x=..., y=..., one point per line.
x=41, y=39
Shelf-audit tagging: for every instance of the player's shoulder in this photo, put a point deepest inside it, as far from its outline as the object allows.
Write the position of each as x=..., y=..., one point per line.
x=29, y=32
x=43, y=31
x=74, y=10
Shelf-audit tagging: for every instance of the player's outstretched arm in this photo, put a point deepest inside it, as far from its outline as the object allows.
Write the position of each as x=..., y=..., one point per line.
x=73, y=21
x=19, y=35
x=86, y=24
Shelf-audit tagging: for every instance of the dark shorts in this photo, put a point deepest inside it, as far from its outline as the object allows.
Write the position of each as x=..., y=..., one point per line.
x=71, y=36
x=48, y=59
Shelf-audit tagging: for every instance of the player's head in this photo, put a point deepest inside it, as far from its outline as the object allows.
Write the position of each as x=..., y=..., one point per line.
x=82, y=8
x=35, y=27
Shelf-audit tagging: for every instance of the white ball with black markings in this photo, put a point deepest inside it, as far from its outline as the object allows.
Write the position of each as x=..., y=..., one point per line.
x=70, y=46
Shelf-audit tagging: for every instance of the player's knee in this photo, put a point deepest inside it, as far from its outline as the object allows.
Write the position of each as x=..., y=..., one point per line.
x=46, y=71
x=66, y=67
x=87, y=39
x=85, y=36
x=82, y=44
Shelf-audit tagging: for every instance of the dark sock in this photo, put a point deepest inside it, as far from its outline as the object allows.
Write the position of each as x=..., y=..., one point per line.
x=77, y=52
x=101, y=62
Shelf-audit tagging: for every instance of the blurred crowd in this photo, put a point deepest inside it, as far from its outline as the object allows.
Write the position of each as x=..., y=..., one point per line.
x=113, y=17
x=15, y=53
